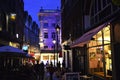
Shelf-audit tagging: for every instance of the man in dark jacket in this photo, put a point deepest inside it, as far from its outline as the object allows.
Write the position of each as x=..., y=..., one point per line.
x=37, y=69
x=42, y=71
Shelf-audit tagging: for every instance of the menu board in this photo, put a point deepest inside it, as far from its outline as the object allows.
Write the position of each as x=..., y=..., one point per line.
x=72, y=76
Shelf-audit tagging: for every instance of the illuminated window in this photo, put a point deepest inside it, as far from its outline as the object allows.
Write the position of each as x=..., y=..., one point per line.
x=13, y=16
x=45, y=57
x=100, y=51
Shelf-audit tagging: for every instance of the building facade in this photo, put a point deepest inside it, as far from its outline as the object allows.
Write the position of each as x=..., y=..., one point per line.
x=11, y=34
x=49, y=19
x=14, y=29
x=98, y=45
x=11, y=24
x=72, y=28
x=31, y=37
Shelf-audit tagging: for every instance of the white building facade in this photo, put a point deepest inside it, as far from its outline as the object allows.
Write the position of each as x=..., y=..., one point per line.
x=49, y=19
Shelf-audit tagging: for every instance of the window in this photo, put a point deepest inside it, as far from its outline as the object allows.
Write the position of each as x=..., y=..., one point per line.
x=46, y=57
x=104, y=3
x=53, y=24
x=41, y=18
x=57, y=18
x=95, y=6
x=52, y=46
x=92, y=11
x=108, y=1
x=45, y=35
x=100, y=52
x=52, y=57
x=45, y=47
x=53, y=35
x=45, y=25
x=99, y=5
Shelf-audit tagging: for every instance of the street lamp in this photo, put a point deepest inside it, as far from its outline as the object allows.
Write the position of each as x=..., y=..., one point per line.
x=57, y=41
x=54, y=42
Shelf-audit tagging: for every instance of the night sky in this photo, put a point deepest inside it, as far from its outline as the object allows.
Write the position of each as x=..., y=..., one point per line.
x=33, y=6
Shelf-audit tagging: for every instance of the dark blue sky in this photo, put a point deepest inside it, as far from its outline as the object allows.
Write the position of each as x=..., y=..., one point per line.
x=33, y=6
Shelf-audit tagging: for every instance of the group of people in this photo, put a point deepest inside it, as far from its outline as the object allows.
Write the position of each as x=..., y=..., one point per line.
x=36, y=71
x=52, y=71
x=39, y=69
x=48, y=71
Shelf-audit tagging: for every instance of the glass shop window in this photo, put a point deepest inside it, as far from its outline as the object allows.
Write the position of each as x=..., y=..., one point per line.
x=100, y=52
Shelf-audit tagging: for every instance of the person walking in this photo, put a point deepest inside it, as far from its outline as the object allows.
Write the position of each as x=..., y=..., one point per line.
x=51, y=70
x=42, y=71
x=59, y=65
x=37, y=70
x=57, y=74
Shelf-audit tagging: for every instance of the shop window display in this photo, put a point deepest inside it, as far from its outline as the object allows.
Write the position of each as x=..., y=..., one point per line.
x=95, y=60
x=100, y=52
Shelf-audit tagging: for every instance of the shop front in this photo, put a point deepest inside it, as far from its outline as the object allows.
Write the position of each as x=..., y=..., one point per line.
x=97, y=44
x=99, y=54
x=50, y=58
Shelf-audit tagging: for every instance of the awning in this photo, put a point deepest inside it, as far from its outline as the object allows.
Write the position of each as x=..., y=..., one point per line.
x=11, y=51
x=85, y=38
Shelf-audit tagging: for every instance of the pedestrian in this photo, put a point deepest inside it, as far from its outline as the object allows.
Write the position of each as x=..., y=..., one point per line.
x=57, y=74
x=47, y=64
x=42, y=71
x=51, y=71
x=37, y=70
x=51, y=64
x=58, y=65
x=63, y=63
x=47, y=74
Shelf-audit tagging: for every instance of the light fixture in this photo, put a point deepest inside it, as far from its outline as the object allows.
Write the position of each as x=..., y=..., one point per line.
x=57, y=41
x=17, y=35
x=12, y=16
x=54, y=41
x=57, y=28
